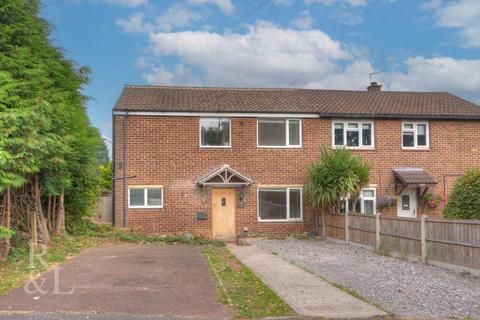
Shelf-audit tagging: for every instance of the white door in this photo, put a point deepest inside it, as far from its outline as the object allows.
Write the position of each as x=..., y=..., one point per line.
x=407, y=203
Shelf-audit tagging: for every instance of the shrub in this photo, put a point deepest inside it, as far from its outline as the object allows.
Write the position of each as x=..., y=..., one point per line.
x=6, y=233
x=464, y=202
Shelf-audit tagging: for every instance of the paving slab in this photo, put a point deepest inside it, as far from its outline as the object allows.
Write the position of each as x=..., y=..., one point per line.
x=305, y=293
x=126, y=279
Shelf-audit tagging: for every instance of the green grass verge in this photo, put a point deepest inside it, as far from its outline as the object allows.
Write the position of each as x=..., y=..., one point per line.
x=80, y=236
x=239, y=288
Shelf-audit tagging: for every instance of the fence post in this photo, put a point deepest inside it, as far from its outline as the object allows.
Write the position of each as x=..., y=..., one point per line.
x=423, y=238
x=347, y=230
x=377, y=231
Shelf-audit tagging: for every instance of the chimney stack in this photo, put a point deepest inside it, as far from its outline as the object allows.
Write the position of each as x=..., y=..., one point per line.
x=374, y=86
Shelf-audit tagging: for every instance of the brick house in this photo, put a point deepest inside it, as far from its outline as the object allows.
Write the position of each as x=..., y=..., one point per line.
x=216, y=161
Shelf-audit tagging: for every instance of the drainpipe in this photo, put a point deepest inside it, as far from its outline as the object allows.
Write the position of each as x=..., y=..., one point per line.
x=114, y=165
x=125, y=123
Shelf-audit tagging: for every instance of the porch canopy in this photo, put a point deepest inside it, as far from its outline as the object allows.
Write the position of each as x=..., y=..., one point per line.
x=224, y=176
x=413, y=178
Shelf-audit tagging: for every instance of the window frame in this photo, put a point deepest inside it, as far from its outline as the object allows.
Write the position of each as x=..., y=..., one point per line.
x=145, y=199
x=287, y=133
x=229, y=133
x=415, y=135
x=287, y=190
x=361, y=199
x=360, y=124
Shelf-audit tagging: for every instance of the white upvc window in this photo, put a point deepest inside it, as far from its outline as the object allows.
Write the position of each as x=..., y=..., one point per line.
x=215, y=132
x=366, y=203
x=279, y=133
x=279, y=204
x=415, y=135
x=145, y=197
x=353, y=134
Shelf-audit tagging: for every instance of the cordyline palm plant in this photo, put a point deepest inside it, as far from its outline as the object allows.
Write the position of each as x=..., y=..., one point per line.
x=338, y=174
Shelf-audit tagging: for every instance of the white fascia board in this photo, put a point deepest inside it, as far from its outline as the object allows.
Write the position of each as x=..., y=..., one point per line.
x=218, y=114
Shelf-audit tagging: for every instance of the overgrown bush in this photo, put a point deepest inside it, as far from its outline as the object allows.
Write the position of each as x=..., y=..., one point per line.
x=464, y=202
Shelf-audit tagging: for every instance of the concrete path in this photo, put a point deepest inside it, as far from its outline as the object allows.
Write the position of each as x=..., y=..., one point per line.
x=130, y=279
x=304, y=292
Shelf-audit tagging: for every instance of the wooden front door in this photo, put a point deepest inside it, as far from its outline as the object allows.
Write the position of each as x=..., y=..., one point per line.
x=223, y=213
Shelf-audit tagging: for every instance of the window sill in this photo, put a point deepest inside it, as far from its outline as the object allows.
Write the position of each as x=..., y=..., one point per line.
x=280, y=147
x=353, y=148
x=215, y=147
x=156, y=207
x=280, y=221
x=416, y=148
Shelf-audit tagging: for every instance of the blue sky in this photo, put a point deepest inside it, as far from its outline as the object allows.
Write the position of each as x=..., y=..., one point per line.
x=429, y=45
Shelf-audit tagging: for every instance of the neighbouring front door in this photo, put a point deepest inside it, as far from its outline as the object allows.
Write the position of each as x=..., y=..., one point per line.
x=223, y=213
x=407, y=203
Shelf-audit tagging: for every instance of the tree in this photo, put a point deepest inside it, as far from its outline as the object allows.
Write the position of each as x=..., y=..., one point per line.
x=48, y=148
x=464, y=202
x=106, y=176
x=337, y=175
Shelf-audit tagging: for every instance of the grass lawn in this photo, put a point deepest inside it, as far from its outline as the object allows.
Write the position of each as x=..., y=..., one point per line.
x=239, y=288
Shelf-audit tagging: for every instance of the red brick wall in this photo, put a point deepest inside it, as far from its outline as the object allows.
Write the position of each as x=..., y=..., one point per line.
x=165, y=151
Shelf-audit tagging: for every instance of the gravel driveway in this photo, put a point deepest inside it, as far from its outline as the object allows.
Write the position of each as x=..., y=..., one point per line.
x=405, y=288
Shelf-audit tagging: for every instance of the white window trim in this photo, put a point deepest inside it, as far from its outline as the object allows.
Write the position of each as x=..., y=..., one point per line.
x=145, y=188
x=345, y=124
x=215, y=147
x=287, y=134
x=415, y=137
x=360, y=198
x=287, y=190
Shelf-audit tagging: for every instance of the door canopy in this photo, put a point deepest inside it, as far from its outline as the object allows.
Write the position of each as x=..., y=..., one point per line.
x=413, y=178
x=224, y=176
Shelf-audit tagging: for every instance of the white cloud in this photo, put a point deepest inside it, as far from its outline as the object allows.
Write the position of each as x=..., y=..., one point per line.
x=265, y=55
x=176, y=16
x=128, y=3
x=304, y=21
x=461, y=76
x=225, y=5
x=134, y=24
x=463, y=15
x=353, y=3
x=284, y=3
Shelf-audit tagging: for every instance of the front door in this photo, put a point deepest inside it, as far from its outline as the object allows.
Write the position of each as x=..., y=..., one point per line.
x=407, y=203
x=223, y=213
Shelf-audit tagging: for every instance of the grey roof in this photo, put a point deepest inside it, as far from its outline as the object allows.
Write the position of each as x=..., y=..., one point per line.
x=414, y=176
x=387, y=104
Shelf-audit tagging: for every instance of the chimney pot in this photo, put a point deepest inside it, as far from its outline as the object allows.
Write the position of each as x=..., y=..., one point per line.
x=374, y=86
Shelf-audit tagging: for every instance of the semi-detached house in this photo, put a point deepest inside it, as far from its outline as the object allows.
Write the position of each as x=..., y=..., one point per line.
x=217, y=161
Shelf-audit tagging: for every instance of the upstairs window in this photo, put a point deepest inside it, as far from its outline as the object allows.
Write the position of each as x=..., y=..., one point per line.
x=353, y=134
x=145, y=197
x=279, y=133
x=215, y=132
x=415, y=135
x=366, y=203
x=282, y=204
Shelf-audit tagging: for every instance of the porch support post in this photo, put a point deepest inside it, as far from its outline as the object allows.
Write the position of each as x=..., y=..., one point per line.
x=423, y=238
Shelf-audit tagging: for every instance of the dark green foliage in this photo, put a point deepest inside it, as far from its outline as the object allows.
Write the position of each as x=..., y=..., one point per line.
x=106, y=176
x=464, y=202
x=44, y=128
x=337, y=175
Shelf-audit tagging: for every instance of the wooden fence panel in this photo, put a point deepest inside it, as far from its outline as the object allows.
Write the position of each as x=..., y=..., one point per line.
x=362, y=229
x=454, y=242
x=401, y=235
x=335, y=226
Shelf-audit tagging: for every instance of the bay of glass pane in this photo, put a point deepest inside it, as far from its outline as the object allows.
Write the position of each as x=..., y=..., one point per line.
x=353, y=138
x=295, y=203
x=294, y=132
x=273, y=204
x=353, y=125
x=368, y=193
x=215, y=132
x=421, y=135
x=338, y=134
x=408, y=126
x=271, y=133
x=224, y=132
x=367, y=134
x=154, y=197
x=408, y=139
x=137, y=197
x=368, y=206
